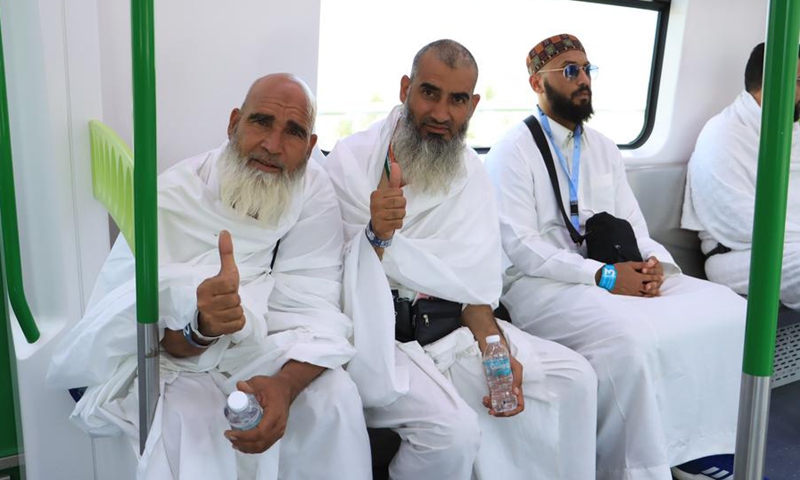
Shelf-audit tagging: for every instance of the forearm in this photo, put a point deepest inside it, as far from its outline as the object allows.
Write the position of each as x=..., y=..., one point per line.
x=298, y=376
x=481, y=322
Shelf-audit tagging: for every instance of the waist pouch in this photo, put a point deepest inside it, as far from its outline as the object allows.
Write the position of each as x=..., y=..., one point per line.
x=611, y=240
x=426, y=321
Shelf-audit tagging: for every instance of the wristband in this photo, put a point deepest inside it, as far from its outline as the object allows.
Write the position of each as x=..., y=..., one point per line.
x=192, y=328
x=608, y=277
x=374, y=240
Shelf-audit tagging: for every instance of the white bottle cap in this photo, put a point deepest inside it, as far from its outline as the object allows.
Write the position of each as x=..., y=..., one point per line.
x=237, y=401
x=493, y=339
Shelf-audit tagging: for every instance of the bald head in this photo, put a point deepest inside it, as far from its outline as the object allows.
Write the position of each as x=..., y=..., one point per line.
x=287, y=84
x=447, y=51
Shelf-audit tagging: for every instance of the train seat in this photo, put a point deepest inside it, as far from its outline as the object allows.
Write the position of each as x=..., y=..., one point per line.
x=659, y=190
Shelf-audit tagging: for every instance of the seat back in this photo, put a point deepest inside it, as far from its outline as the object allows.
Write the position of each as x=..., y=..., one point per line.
x=659, y=191
x=112, y=177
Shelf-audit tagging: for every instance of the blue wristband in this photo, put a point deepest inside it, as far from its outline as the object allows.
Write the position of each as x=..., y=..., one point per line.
x=608, y=277
x=374, y=240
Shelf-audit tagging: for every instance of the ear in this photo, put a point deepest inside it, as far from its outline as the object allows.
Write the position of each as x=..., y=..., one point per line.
x=405, y=84
x=537, y=83
x=475, y=99
x=311, y=143
x=233, y=121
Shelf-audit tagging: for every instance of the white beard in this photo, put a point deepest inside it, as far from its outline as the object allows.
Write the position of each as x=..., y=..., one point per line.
x=264, y=196
x=429, y=165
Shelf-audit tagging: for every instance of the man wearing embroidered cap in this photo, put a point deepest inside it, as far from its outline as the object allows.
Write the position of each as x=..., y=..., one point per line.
x=657, y=339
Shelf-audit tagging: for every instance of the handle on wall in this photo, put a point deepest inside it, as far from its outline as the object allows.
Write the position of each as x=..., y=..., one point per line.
x=8, y=219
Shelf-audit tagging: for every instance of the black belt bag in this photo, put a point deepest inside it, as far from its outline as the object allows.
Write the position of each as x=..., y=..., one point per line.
x=426, y=321
x=608, y=239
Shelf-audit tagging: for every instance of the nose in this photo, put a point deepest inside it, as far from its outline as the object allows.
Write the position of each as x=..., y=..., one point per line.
x=583, y=77
x=272, y=141
x=440, y=111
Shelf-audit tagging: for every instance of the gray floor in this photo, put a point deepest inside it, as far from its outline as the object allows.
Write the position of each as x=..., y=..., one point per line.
x=783, y=436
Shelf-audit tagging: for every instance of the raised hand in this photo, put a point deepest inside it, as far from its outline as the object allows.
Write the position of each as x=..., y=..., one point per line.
x=387, y=205
x=218, y=302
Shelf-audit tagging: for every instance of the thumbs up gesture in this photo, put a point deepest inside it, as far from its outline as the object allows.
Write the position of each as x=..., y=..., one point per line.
x=218, y=302
x=387, y=205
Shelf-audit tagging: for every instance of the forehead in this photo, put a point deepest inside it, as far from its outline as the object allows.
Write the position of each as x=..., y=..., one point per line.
x=280, y=99
x=433, y=71
x=570, y=56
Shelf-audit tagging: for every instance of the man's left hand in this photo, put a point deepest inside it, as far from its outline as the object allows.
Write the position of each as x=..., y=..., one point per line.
x=516, y=371
x=275, y=397
x=653, y=267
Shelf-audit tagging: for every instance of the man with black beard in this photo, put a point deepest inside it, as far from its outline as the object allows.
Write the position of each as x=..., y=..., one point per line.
x=250, y=243
x=659, y=341
x=420, y=223
x=721, y=190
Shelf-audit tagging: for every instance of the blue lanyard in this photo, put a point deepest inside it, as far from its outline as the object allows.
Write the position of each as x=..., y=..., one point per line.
x=576, y=160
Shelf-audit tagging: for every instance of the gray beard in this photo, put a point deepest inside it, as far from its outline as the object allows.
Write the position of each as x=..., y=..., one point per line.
x=429, y=164
x=263, y=196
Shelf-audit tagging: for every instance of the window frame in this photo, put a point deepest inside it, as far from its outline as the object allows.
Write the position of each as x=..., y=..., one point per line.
x=656, y=65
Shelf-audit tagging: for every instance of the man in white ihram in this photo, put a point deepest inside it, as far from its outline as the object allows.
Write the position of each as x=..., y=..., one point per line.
x=666, y=347
x=228, y=320
x=433, y=231
x=721, y=190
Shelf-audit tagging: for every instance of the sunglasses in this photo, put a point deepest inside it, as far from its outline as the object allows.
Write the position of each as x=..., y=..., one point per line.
x=572, y=71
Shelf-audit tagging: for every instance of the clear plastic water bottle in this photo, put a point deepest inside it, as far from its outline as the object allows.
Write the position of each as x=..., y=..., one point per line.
x=497, y=366
x=243, y=410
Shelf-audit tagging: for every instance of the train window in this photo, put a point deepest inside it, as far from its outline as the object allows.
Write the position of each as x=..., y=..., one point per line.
x=361, y=61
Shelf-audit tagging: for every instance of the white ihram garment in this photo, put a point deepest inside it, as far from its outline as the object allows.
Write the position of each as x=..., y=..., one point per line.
x=449, y=247
x=292, y=313
x=721, y=192
x=669, y=367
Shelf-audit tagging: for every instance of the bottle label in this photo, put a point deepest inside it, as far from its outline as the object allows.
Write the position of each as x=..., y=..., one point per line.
x=497, y=366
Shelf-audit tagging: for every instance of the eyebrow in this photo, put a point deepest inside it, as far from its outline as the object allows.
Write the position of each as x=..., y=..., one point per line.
x=572, y=62
x=455, y=95
x=430, y=86
x=299, y=127
x=267, y=118
x=260, y=118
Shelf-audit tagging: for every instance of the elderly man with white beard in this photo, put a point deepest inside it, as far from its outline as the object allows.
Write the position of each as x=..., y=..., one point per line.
x=420, y=221
x=263, y=318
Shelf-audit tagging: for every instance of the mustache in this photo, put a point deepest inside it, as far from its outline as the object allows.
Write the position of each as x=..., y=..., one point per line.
x=269, y=160
x=580, y=90
x=434, y=123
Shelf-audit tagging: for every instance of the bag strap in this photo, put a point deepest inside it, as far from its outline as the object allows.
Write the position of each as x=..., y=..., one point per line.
x=544, y=148
x=274, y=255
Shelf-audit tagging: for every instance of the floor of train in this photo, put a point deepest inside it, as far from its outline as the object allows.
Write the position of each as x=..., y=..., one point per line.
x=783, y=437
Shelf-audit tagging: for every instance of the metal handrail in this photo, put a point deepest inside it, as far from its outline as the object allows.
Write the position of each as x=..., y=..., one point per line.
x=778, y=98
x=145, y=213
x=8, y=219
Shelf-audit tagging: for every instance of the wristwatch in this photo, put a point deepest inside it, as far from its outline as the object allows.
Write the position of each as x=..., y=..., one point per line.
x=193, y=328
x=374, y=240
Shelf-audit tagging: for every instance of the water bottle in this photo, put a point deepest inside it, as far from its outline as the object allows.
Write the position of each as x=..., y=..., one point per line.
x=497, y=366
x=243, y=410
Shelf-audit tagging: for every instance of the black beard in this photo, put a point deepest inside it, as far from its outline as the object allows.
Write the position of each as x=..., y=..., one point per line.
x=797, y=111
x=565, y=108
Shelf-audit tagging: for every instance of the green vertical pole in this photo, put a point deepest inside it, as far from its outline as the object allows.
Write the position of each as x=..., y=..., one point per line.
x=8, y=218
x=145, y=213
x=778, y=99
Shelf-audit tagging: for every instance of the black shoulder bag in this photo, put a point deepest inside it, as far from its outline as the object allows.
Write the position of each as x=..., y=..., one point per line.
x=608, y=239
